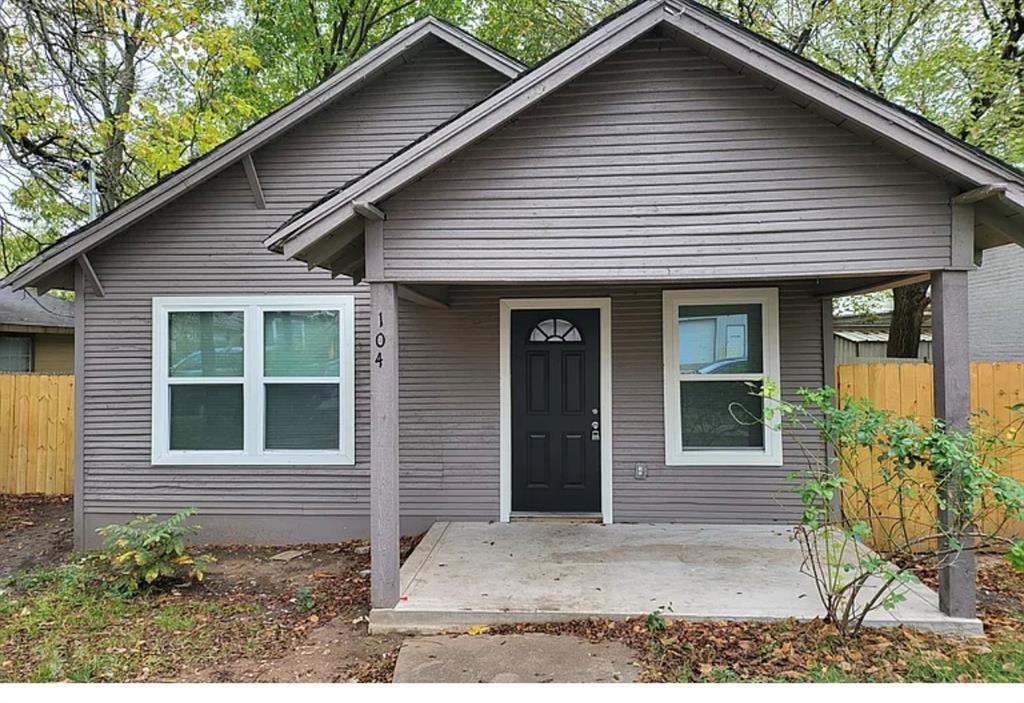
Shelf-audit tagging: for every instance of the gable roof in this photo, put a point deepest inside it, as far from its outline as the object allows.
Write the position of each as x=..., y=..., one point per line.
x=25, y=308
x=808, y=84
x=381, y=58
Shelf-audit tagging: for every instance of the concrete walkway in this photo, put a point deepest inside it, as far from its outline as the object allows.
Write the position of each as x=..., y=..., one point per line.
x=465, y=574
x=526, y=658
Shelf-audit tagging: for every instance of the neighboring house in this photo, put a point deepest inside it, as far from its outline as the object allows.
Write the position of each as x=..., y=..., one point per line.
x=36, y=333
x=440, y=287
x=864, y=339
x=996, y=321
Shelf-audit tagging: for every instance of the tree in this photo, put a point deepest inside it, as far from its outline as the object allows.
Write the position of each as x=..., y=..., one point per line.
x=299, y=43
x=131, y=85
x=530, y=30
x=143, y=86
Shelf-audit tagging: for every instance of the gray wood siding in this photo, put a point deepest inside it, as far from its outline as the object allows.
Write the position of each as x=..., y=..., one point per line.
x=996, y=299
x=209, y=242
x=661, y=164
x=450, y=411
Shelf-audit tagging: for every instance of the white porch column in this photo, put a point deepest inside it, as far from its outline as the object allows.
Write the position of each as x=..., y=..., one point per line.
x=384, y=527
x=951, y=350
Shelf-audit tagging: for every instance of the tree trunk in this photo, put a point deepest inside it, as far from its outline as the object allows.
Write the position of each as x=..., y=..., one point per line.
x=908, y=306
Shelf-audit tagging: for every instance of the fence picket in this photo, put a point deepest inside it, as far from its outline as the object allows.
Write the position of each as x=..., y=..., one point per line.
x=907, y=389
x=37, y=427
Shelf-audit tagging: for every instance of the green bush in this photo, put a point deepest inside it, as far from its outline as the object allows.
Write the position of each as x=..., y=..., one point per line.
x=864, y=533
x=145, y=552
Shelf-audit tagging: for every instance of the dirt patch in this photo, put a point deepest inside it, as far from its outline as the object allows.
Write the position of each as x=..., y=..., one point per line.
x=1000, y=591
x=322, y=602
x=34, y=531
x=302, y=619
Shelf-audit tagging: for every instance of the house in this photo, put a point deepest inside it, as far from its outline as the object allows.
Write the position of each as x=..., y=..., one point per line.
x=441, y=287
x=997, y=306
x=36, y=333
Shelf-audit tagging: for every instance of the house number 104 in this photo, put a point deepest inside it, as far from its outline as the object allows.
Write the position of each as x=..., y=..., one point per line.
x=379, y=341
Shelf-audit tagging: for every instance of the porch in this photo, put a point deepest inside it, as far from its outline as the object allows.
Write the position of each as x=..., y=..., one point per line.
x=465, y=573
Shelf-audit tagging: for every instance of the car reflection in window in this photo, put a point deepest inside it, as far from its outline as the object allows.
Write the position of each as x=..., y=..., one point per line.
x=192, y=364
x=726, y=366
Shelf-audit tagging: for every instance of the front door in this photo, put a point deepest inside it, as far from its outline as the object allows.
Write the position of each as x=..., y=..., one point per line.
x=556, y=400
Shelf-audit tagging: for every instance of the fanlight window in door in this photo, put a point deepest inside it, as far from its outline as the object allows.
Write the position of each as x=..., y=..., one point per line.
x=555, y=329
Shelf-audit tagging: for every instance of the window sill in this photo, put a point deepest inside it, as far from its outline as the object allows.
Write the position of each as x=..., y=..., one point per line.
x=239, y=459
x=723, y=459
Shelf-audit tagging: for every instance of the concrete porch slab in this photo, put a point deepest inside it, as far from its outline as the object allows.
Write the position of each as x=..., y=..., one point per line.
x=464, y=574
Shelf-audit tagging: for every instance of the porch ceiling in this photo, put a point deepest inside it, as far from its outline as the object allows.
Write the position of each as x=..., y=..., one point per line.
x=465, y=574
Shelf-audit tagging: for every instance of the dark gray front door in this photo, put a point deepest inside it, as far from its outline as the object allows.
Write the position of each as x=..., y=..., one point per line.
x=556, y=394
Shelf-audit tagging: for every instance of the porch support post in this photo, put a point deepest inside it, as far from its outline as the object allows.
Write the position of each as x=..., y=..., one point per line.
x=952, y=371
x=384, y=527
x=828, y=378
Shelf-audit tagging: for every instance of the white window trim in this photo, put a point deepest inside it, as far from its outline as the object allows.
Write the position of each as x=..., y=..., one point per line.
x=675, y=455
x=253, y=454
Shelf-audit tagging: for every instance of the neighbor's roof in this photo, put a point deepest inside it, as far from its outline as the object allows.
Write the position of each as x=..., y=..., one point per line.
x=25, y=308
x=378, y=60
x=920, y=141
x=858, y=336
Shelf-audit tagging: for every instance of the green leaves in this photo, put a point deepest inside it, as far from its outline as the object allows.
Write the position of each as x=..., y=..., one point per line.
x=145, y=551
x=1015, y=556
x=871, y=508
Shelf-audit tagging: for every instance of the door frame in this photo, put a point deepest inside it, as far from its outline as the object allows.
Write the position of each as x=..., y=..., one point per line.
x=507, y=305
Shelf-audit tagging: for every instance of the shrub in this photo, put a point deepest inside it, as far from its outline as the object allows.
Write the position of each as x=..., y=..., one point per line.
x=864, y=532
x=145, y=552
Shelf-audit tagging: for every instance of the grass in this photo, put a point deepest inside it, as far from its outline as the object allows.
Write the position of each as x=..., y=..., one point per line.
x=60, y=624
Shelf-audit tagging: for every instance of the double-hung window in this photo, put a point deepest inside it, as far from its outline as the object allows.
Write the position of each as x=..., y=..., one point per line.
x=721, y=347
x=15, y=353
x=253, y=380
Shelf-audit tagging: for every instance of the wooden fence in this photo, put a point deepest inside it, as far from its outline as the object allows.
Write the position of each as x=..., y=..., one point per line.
x=37, y=434
x=906, y=389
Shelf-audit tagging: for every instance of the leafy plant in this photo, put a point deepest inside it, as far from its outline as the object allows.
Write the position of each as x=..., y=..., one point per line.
x=146, y=552
x=656, y=620
x=891, y=494
x=306, y=599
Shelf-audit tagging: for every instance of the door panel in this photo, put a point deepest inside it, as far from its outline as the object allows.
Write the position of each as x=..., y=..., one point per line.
x=538, y=456
x=556, y=399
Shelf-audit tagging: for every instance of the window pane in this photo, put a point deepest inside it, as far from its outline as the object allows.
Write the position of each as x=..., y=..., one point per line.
x=206, y=417
x=302, y=416
x=720, y=414
x=16, y=354
x=720, y=339
x=206, y=343
x=301, y=343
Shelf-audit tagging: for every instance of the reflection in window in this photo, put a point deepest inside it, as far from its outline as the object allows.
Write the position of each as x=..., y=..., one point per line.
x=719, y=339
x=555, y=329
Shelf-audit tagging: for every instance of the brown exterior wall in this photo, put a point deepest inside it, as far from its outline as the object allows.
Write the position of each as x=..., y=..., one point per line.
x=450, y=429
x=53, y=353
x=210, y=242
x=661, y=164
x=450, y=411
